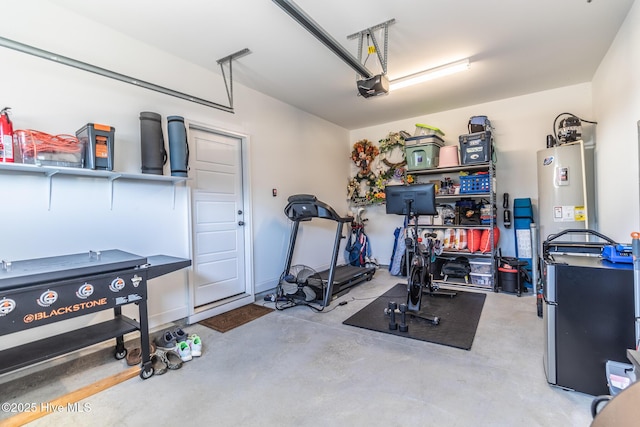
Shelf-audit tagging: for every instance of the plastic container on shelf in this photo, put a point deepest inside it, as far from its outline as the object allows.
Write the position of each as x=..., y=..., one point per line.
x=475, y=147
x=423, y=139
x=423, y=156
x=448, y=156
x=480, y=265
x=424, y=130
x=478, y=279
x=41, y=149
x=99, y=145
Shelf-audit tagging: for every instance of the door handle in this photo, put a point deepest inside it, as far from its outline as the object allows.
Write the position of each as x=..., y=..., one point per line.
x=240, y=222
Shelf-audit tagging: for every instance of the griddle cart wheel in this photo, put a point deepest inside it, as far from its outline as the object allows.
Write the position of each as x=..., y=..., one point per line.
x=146, y=372
x=120, y=354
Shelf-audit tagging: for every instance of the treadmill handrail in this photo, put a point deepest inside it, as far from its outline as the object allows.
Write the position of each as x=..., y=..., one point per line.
x=321, y=209
x=305, y=207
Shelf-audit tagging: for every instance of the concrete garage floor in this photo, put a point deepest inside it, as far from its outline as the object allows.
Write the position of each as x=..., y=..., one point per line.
x=301, y=368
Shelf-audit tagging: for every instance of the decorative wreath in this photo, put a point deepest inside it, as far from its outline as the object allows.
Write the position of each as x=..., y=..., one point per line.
x=393, y=141
x=363, y=155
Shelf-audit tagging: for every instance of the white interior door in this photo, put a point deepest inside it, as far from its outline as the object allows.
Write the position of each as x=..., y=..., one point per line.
x=218, y=216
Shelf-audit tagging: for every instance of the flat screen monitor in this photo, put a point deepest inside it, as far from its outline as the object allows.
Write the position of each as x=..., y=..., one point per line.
x=422, y=197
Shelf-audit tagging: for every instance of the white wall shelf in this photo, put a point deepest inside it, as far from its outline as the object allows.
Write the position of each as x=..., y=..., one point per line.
x=50, y=171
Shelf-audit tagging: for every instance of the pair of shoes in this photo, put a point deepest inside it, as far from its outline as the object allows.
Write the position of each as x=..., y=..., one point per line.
x=190, y=348
x=172, y=359
x=166, y=341
x=179, y=335
x=184, y=350
x=163, y=360
x=158, y=364
x=170, y=338
x=134, y=356
x=195, y=343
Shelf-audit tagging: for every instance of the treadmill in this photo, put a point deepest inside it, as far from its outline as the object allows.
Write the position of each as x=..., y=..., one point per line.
x=338, y=278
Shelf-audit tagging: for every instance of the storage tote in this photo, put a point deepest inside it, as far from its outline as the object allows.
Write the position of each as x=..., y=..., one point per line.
x=423, y=156
x=475, y=147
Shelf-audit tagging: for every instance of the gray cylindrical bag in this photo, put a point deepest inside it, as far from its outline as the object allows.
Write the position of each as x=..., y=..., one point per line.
x=154, y=155
x=178, y=146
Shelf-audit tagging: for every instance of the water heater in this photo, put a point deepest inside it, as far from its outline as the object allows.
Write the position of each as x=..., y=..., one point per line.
x=566, y=195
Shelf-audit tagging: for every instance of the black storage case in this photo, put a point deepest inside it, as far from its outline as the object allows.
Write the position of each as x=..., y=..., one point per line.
x=475, y=147
x=99, y=145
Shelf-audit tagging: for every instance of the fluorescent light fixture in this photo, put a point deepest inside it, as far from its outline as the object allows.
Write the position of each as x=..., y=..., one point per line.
x=430, y=74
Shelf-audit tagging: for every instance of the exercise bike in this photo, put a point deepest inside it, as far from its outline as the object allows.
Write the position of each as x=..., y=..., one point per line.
x=420, y=278
x=419, y=281
x=412, y=201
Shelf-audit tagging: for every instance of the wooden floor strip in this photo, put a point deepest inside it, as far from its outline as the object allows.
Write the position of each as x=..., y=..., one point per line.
x=70, y=398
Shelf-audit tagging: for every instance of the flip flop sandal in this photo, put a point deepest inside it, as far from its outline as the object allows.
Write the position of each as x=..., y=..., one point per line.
x=134, y=356
x=158, y=365
x=173, y=360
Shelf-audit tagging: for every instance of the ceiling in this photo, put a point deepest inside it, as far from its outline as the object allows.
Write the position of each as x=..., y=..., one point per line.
x=515, y=47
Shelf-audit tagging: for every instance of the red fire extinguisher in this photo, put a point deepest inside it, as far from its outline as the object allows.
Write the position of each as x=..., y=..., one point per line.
x=6, y=136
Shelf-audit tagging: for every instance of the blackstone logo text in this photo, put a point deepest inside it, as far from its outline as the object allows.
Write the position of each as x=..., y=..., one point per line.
x=64, y=310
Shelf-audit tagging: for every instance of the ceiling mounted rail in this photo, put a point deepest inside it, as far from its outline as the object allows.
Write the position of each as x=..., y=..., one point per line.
x=310, y=25
x=20, y=47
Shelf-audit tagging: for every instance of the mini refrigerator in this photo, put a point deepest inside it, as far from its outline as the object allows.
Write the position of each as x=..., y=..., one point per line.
x=589, y=319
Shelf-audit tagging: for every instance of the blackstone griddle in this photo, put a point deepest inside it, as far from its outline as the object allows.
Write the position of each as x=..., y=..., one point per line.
x=37, y=292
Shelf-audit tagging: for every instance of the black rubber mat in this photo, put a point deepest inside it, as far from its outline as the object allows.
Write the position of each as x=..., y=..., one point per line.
x=459, y=317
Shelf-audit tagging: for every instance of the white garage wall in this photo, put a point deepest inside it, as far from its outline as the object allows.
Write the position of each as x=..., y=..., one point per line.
x=616, y=94
x=290, y=150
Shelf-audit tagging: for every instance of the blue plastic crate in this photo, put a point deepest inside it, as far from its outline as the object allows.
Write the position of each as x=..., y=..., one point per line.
x=475, y=184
